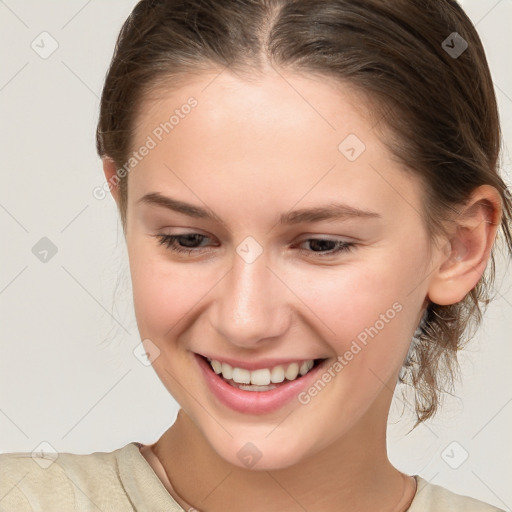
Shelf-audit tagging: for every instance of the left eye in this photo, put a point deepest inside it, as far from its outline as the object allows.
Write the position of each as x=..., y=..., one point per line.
x=336, y=246
x=187, y=243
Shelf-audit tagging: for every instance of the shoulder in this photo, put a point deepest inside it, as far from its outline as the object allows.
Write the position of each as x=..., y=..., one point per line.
x=63, y=481
x=434, y=498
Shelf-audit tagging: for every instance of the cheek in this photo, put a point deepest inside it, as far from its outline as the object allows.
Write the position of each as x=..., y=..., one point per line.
x=360, y=301
x=362, y=311
x=348, y=297
x=164, y=292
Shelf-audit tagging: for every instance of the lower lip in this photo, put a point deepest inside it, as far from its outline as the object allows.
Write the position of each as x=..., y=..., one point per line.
x=256, y=402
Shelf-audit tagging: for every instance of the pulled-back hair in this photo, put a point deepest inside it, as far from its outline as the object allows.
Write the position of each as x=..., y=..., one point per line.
x=435, y=109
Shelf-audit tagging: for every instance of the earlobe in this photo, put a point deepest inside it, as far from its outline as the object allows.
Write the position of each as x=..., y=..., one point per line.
x=110, y=170
x=464, y=257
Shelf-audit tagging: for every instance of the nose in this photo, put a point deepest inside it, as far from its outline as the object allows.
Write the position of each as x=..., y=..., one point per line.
x=251, y=307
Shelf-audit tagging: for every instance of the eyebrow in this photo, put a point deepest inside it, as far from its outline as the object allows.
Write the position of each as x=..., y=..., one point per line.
x=330, y=211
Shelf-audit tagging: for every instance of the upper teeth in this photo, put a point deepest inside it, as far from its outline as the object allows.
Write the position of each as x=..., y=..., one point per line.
x=262, y=376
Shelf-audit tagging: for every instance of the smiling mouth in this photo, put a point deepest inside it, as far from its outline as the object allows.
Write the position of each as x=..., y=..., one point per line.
x=262, y=379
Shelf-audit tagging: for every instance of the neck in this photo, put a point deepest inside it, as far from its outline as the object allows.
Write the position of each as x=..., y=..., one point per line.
x=353, y=474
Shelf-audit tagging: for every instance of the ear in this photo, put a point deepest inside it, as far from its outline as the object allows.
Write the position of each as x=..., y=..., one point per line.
x=465, y=255
x=110, y=170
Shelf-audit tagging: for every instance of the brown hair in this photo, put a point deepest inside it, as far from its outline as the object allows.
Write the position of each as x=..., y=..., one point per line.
x=438, y=108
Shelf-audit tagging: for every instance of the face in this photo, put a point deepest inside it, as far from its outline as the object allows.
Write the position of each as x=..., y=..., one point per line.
x=260, y=257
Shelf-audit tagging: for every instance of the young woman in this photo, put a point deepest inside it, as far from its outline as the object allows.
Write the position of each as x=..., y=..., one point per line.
x=310, y=197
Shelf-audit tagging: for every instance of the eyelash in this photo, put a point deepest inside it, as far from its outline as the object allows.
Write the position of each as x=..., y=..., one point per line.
x=170, y=242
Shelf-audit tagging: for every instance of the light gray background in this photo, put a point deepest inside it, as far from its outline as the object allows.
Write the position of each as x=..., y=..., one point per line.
x=68, y=375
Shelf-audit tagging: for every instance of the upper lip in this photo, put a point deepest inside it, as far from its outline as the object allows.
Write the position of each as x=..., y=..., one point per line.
x=257, y=364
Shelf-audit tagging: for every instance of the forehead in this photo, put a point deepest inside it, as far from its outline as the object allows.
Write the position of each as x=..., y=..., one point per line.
x=280, y=103
x=277, y=139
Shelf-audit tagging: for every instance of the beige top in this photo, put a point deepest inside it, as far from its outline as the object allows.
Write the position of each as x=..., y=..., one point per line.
x=123, y=480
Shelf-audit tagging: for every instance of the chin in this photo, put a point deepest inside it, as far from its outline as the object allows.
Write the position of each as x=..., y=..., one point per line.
x=261, y=453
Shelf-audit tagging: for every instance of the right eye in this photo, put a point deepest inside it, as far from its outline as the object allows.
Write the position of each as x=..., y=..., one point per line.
x=184, y=243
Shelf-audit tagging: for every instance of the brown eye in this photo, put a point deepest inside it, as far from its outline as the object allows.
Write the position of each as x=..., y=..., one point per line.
x=184, y=243
x=325, y=247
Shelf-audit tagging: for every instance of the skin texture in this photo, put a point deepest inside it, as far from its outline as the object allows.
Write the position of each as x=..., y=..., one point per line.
x=250, y=151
